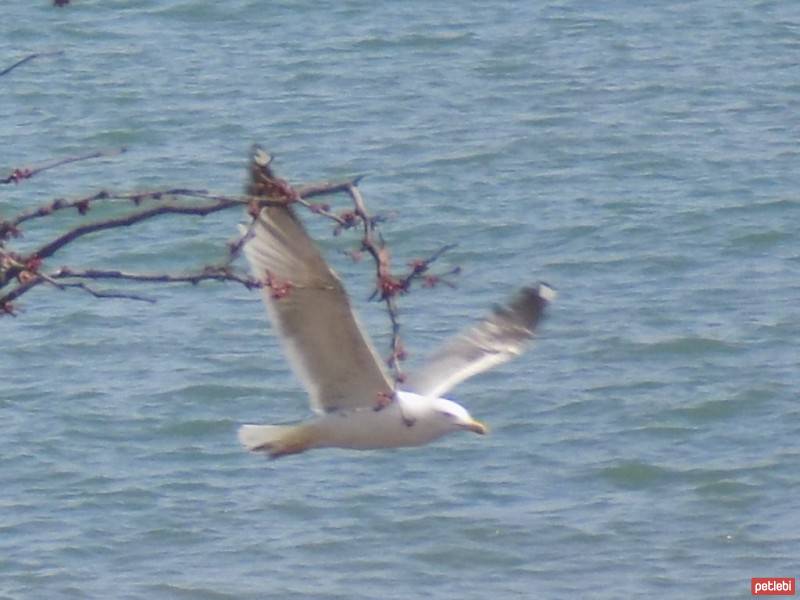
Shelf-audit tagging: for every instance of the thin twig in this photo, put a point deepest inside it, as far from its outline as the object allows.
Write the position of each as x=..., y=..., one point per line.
x=83, y=204
x=30, y=57
x=323, y=188
x=209, y=273
x=106, y=294
x=125, y=221
x=324, y=210
x=53, y=246
x=419, y=269
x=58, y=277
x=23, y=173
x=386, y=286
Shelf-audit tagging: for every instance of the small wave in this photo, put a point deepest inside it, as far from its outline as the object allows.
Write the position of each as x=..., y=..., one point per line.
x=198, y=427
x=728, y=491
x=416, y=40
x=637, y=475
x=184, y=591
x=711, y=410
x=761, y=240
x=687, y=345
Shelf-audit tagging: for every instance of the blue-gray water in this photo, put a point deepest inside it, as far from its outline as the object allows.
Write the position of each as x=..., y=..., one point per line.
x=642, y=157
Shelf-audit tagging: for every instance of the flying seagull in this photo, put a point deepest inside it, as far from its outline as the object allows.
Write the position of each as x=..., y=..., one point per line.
x=356, y=404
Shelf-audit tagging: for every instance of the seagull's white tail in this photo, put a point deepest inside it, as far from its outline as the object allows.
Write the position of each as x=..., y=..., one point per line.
x=277, y=440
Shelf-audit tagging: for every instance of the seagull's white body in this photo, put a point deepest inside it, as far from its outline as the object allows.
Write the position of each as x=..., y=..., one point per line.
x=355, y=400
x=410, y=420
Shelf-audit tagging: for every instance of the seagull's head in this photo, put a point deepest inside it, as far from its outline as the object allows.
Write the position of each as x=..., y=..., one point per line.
x=453, y=417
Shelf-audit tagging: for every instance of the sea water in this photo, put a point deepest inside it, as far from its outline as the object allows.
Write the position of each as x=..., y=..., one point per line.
x=641, y=157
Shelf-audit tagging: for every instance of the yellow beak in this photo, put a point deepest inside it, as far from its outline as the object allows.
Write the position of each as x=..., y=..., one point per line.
x=477, y=427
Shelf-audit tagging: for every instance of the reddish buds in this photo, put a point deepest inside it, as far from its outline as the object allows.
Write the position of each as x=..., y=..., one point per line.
x=253, y=208
x=347, y=220
x=18, y=175
x=430, y=281
x=389, y=286
x=418, y=266
x=28, y=273
x=7, y=229
x=33, y=263
x=284, y=190
x=82, y=206
x=25, y=276
x=349, y=217
x=279, y=289
x=384, y=400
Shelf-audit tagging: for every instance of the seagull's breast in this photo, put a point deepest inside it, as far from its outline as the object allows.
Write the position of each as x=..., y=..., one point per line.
x=364, y=429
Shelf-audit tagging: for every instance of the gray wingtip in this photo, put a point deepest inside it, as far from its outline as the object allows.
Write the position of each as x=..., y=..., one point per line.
x=529, y=304
x=540, y=292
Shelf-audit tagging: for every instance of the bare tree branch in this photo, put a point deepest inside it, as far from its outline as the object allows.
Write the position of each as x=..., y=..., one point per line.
x=58, y=277
x=24, y=272
x=125, y=221
x=82, y=205
x=6, y=302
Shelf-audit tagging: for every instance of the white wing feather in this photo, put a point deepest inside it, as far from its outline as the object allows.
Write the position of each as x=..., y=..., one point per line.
x=496, y=339
x=321, y=336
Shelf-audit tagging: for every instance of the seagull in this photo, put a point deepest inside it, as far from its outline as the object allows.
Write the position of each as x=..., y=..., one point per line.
x=355, y=401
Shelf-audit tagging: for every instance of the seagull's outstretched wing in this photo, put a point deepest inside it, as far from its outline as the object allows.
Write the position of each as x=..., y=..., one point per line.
x=496, y=339
x=310, y=310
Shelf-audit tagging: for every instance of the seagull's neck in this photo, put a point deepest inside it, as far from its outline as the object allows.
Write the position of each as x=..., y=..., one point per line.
x=415, y=402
